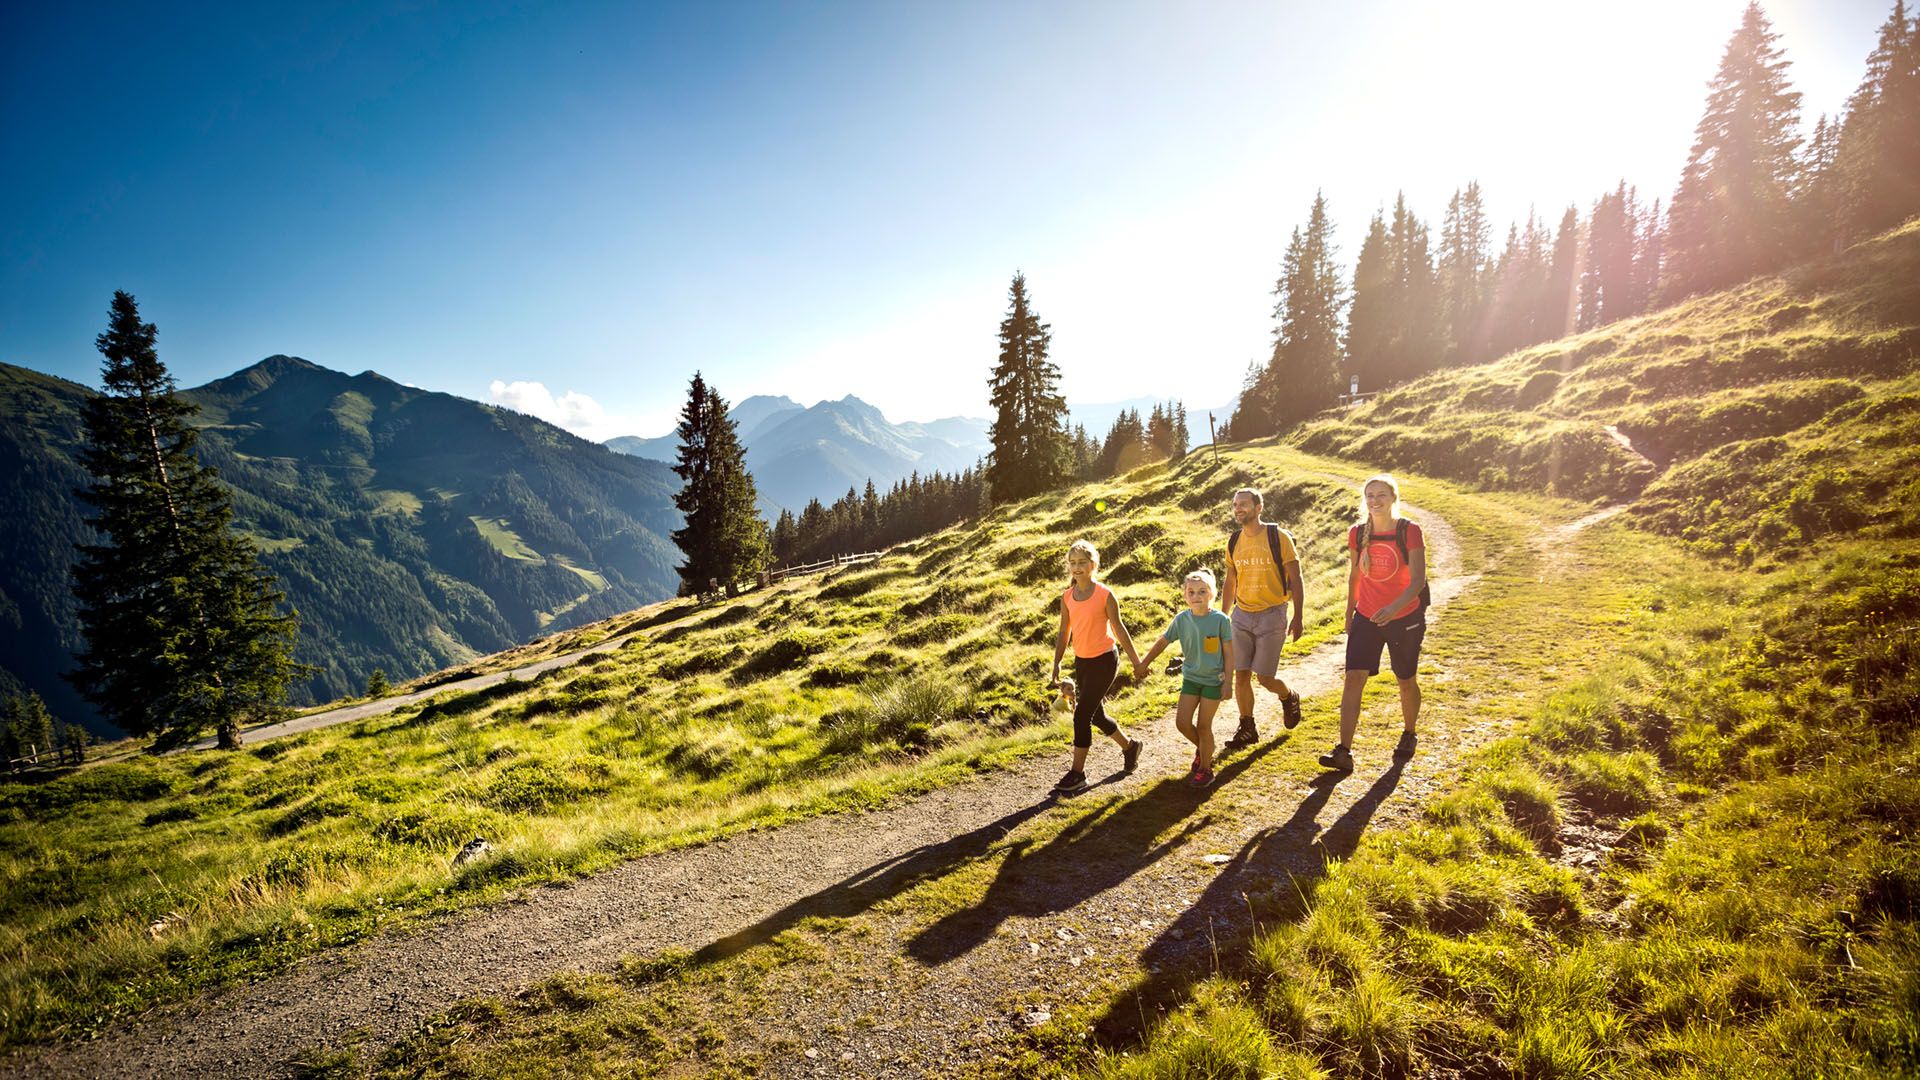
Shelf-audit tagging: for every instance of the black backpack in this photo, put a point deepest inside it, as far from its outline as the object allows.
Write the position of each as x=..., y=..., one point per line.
x=1273, y=542
x=1400, y=541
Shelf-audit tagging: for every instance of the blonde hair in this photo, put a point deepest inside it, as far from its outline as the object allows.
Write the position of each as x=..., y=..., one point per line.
x=1392, y=485
x=1202, y=574
x=1086, y=548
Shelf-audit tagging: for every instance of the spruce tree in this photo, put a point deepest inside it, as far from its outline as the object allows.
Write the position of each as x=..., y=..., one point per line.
x=28, y=726
x=1302, y=375
x=723, y=538
x=181, y=622
x=1876, y=161
x=1731, y=216
x=1558, y=301
x=1415, y=345
x=1462, y=272
x=1031, y=452
x=1376, y=310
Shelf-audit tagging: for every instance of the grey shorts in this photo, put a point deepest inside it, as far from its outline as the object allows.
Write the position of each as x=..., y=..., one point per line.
x=1257, y=639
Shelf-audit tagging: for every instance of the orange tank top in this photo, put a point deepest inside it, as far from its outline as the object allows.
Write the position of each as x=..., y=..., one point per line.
x=1087, y=622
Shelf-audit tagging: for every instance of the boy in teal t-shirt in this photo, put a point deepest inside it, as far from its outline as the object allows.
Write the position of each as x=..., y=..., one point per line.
x=1206, y=649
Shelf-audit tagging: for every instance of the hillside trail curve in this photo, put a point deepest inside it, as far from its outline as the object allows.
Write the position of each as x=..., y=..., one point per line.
x=1151, y=912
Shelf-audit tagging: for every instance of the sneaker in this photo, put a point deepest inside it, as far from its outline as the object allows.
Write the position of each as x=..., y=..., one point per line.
x=1075, y=780
x=1339, y=759
x=1246, y=736
x=1403, y=749
x=1175, y=665
x=1290, y=711
x=1200, y=777
x=1130, y=757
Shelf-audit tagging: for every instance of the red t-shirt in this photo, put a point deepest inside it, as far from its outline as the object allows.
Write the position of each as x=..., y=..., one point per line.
x=1383, y=574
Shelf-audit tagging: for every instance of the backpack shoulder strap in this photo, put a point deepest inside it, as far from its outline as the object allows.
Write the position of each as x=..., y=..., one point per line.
x=1232, y=539
x=1273, y=542
x=1400, y=538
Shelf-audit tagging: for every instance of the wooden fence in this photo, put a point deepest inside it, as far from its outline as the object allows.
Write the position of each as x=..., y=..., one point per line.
x=771, y=576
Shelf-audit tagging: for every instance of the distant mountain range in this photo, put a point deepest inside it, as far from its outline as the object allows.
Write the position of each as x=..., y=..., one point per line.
x=412, y=530
x=797, y=453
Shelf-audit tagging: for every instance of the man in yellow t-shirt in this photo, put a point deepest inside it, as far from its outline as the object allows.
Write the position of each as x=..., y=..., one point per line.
x=1259, y=593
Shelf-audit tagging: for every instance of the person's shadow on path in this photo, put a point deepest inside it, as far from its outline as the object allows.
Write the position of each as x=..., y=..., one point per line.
x=1110, y=843
x=1292, y=854
x=861, y=890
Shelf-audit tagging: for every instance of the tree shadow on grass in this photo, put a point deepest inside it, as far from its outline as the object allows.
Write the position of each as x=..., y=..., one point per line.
x=1212, y=934
x=863, y=889
x=1110, y=843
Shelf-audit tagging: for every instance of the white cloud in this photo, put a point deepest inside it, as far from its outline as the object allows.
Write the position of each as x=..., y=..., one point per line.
x=572, y=410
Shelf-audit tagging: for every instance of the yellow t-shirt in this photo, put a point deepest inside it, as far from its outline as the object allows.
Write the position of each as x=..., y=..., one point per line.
x=1257, y=583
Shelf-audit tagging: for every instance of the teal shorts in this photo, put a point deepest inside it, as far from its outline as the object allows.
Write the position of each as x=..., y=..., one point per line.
x=1189, y=688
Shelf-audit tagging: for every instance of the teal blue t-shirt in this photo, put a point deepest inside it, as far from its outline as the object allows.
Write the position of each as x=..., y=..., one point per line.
x=1202, y=660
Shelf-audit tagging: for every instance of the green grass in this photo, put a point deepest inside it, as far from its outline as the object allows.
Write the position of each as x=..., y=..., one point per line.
x=1740, y=367
x=811, y=697
x=498, y=533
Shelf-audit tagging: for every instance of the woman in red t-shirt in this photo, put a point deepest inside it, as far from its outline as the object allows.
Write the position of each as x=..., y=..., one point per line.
x=1386, y=573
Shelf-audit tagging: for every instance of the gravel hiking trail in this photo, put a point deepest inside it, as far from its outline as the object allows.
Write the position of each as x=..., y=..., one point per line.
x=1075, y=919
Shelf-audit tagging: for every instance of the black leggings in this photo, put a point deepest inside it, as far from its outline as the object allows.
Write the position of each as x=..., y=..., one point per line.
x=1092, y=677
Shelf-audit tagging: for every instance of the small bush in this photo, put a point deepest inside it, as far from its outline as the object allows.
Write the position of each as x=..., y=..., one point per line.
x=900, y=711
x=1611, y=783
x=709, y=751
x=439, y=827
x=785, y=652
x=1530, y=801
x=531, y=785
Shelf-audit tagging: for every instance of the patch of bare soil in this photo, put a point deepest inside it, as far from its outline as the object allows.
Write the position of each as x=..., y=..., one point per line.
x=1065, y=919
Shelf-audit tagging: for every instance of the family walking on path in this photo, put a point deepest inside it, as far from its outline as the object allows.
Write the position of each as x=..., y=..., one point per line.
x=1387, y=597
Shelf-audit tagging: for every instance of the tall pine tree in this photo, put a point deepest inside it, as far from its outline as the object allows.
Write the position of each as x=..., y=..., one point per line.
x=724, y=540
x=181, y=621
x=1302, y=376
x=1031, y=448
x=1731, y=216
x=1462, y=273
x=1877, y=157
x=1376, y=308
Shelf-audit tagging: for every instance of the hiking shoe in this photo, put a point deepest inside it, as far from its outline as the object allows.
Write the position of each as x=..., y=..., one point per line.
x=1339, y=759
x=1246, y=736
x=1130, y=757
x=1403, y=749
x=1200, y=777
x=1075, y=780
x=1175, y=665
x=1290, y=711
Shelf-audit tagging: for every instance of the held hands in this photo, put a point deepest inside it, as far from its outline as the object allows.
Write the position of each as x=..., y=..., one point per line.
x=1139, y=671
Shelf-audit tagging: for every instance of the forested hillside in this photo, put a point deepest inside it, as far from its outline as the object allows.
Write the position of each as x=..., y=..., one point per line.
x=411, y=530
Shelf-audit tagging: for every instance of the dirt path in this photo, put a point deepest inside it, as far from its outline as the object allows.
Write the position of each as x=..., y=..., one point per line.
x=739, y=892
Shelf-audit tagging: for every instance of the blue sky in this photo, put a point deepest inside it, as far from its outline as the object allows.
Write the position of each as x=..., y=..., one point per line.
x=570, y=207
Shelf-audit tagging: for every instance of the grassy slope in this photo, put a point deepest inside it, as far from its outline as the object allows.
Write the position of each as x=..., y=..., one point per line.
x=1696, y=854
x=1741, y=741
x=1752, y=757
x=137, y=881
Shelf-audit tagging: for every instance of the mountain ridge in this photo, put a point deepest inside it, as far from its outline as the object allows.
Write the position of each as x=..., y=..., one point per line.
x=412, y=529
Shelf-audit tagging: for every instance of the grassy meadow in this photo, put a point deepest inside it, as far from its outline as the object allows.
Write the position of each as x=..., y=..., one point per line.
x=1753, y=757
x=1690, y=853
x=1693, y=853
x=137, y=881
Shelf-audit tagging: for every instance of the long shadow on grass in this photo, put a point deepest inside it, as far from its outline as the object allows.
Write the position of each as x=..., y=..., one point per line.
x=1109, y=844
x=1288, y=856
x=863, y=889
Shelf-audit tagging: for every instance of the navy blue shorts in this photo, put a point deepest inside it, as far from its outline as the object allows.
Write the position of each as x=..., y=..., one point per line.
x=1401, y=638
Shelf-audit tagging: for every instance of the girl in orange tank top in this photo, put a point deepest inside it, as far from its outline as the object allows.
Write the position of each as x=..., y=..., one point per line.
x=1087, y=612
